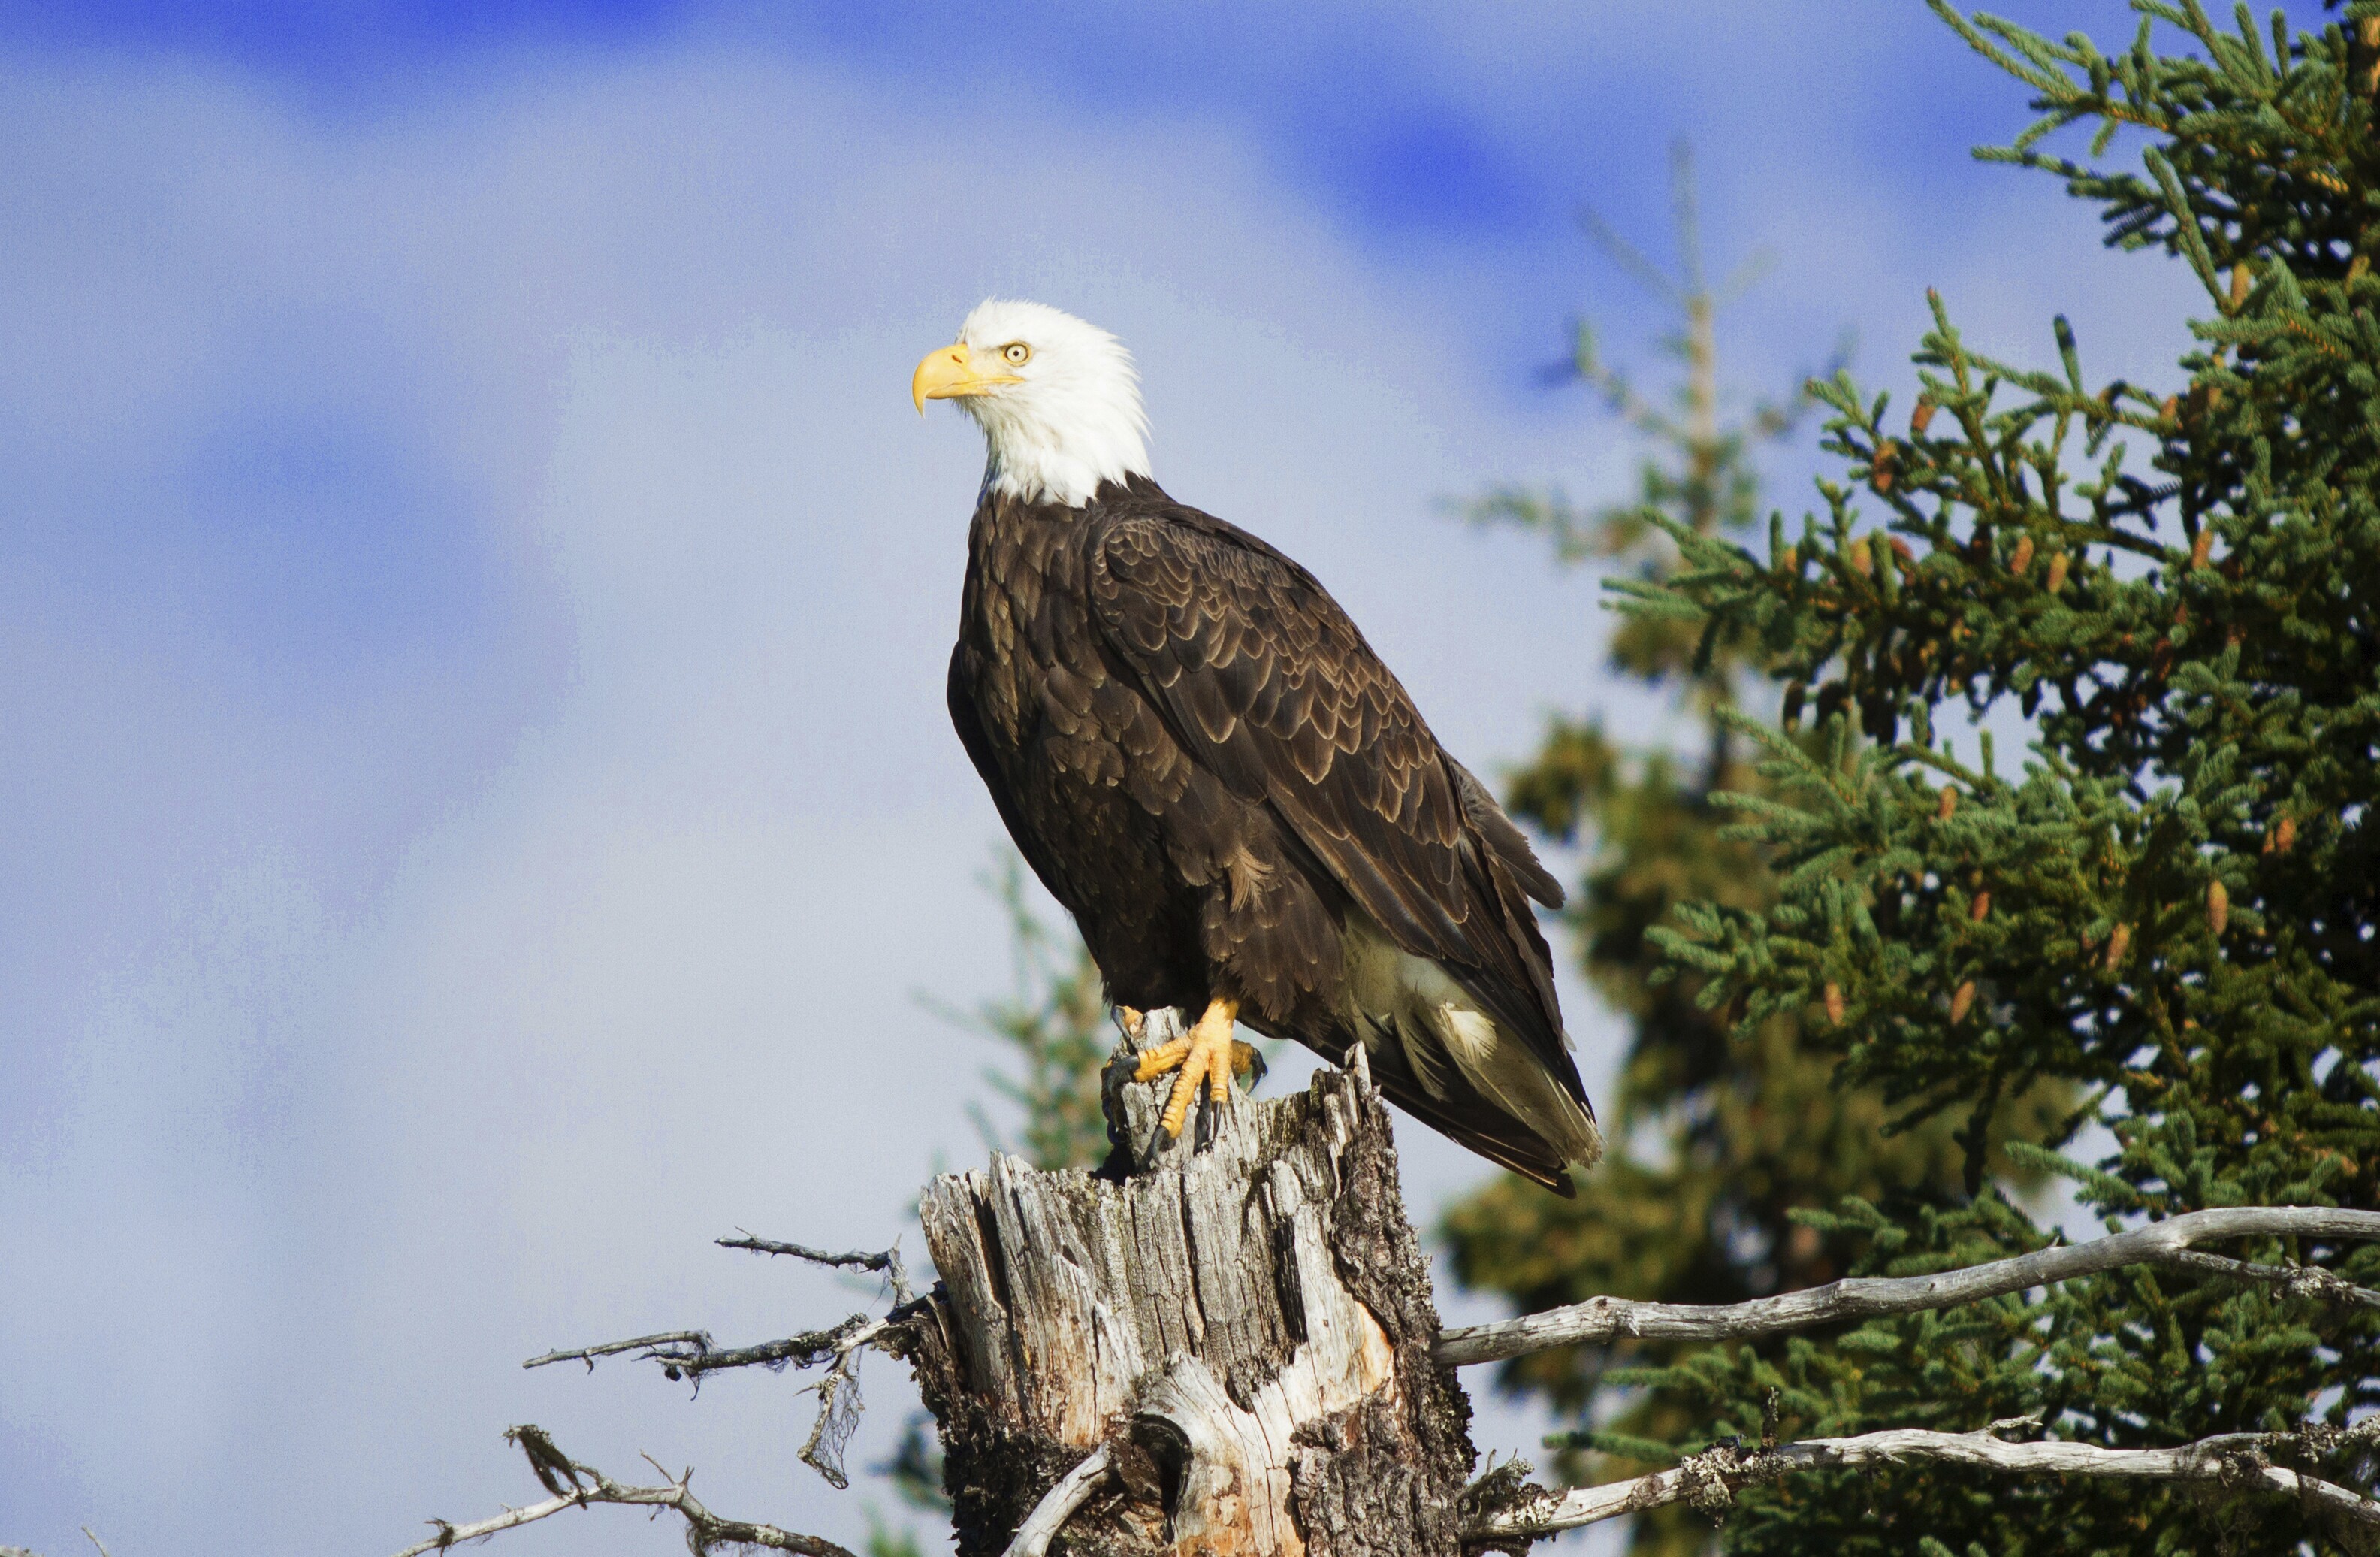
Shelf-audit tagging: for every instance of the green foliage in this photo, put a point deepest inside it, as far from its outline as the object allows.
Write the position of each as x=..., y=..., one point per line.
x=1057, y=1024
x=2174, y=904
x=1704, y=477
x=888, y=1541
x=916, y=1467
x=1716, y=1142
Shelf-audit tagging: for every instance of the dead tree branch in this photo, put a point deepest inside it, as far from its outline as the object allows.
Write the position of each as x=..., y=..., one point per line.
x=698, y=1339
x=578, y=1486
x=2164, y=1243
x=1059, y=1503
x=690, y=1354
x=887, y=1260
x=1710, y=1480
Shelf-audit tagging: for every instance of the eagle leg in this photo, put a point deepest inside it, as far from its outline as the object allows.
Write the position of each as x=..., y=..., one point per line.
x=1209, y=1055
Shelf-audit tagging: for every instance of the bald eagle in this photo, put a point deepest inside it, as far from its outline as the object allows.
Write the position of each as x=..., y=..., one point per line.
x=1200, y=757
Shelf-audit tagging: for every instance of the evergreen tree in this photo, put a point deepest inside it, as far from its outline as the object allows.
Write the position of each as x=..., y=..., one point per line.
x=2172, y=904
x=1714, y=1143
x=1058, y=1025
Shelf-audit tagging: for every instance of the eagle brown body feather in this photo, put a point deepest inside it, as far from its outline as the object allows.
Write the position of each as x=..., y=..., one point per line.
x=1203, y=761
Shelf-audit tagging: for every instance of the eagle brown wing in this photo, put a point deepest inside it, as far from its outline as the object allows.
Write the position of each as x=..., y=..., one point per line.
x=1027, y=838
x=1266, y=683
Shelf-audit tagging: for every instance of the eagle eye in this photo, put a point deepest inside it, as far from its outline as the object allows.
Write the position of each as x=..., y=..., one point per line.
x=1017, y=353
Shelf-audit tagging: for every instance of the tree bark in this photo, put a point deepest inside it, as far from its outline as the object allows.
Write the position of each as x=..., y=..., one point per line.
x=1245, y=1329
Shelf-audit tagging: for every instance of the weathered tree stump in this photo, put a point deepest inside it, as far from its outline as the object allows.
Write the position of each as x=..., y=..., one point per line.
x=1245, y=1329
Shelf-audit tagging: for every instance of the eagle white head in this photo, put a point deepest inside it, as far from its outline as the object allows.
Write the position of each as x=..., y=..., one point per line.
x=1058, y=400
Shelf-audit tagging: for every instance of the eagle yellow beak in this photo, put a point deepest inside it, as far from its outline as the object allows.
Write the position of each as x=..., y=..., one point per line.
x=949, y=374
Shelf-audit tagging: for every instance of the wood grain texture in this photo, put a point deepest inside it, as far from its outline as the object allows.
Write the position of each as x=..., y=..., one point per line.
x=1247, y=1329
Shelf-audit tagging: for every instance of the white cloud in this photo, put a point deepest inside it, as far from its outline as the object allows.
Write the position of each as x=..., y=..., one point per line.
x=387, y=1013
x=574, y=967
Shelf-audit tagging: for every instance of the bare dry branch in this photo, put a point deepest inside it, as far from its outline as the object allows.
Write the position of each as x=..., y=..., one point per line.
x=1710, y=1480
x=1059, y=1503
x=807, y=1350
x=690, y=1354
x=698, y=1339
x=887, y=1260
x=579, y=1486
x=2163, y=1243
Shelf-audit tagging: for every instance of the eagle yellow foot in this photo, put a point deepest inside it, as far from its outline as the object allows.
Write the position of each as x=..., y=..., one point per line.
x=1209, y=1054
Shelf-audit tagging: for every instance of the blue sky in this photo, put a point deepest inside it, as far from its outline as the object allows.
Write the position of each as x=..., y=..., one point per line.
x=477, y=806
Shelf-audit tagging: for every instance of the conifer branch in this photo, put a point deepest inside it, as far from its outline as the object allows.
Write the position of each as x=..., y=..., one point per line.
x=1709, y=1481
x=2164, y=1243
x=580, y=1486
x=2161, y=910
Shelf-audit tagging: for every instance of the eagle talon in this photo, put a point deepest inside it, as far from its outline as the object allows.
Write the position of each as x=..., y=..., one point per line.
x=1210, y=1118
x=1207, y=1058
x=1247, y=1060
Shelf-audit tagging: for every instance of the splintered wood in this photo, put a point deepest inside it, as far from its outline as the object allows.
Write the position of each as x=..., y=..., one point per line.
x=1245, y=1329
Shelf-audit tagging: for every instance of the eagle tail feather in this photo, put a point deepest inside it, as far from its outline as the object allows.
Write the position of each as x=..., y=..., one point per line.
x=1461, y=1114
